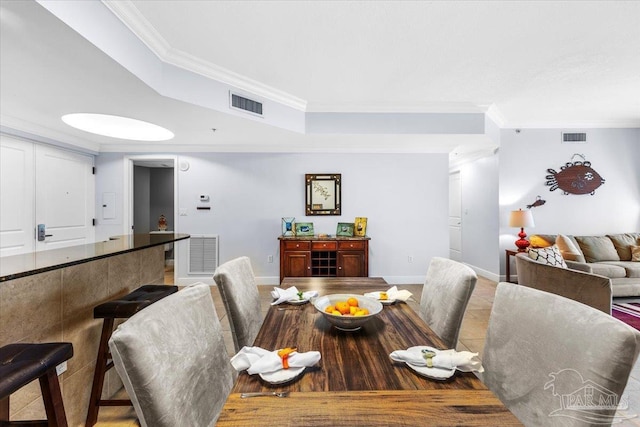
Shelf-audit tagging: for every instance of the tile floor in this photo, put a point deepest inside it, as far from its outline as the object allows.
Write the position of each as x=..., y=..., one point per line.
x=471, y=338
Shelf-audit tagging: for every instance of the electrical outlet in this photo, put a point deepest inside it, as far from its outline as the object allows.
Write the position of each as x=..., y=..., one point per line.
x=270, y=259
x=61, y=368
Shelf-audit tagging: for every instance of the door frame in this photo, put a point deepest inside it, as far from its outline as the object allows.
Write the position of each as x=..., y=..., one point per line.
x=129, y=163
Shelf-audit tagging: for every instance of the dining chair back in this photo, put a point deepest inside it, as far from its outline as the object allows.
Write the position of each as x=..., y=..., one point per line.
x=173, y=362
x=555, y=361
x=445, y=296
x=241, y=299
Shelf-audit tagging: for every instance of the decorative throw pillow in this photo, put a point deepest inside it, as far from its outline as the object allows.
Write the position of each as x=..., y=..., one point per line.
x=550, y=255
x=568, y=249
x=540, y=241
x=635, y=253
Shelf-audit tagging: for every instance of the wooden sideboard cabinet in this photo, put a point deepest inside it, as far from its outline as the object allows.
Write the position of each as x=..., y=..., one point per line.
x=324, y=257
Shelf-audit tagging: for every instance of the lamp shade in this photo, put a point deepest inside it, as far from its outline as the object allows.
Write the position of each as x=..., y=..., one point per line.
x=521, y=219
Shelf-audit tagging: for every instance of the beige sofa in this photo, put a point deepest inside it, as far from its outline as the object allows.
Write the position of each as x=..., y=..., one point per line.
x=609, y=256
x=590, y=289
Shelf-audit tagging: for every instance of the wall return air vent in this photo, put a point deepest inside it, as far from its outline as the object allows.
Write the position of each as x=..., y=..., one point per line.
x=574, y=138
x=245, y=104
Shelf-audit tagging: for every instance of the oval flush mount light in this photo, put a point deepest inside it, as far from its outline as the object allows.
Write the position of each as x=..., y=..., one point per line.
x=117, y=127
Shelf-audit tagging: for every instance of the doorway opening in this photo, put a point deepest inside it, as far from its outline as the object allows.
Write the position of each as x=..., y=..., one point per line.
x=151, y=188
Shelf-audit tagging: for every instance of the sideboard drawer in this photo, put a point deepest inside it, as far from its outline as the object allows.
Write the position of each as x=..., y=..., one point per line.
x=297, y=245
x=324, y=246
x=351, y=245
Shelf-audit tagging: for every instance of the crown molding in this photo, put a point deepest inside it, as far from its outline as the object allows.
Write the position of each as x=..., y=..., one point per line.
x=603, y=124
x=131, y=17
x=37, y=133
x=433, y=108
x=494, y=114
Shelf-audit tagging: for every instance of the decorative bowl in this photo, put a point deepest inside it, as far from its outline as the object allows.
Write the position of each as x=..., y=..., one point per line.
x=347, y=322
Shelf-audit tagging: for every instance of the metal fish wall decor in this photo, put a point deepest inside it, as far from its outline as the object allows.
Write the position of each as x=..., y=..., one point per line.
x=538, y=202
x=575, y=178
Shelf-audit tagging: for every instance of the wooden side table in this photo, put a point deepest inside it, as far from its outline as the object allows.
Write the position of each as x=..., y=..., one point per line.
x=509, y=253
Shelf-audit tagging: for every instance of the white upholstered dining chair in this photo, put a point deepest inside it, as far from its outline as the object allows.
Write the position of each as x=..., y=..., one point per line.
x=554, y=361
x=445, y=296
x=239, y=292
x=173, y=362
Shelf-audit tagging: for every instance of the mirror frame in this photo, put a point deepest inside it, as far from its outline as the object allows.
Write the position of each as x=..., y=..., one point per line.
x=328, y=185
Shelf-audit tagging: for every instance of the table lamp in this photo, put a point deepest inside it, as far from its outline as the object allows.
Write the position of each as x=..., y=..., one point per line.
x=521, y=219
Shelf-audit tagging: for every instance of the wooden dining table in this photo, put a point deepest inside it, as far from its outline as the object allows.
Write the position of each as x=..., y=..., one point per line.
x=355, y=382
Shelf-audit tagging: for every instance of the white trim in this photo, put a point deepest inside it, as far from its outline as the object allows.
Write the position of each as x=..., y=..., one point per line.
x=131, y=17
x=495, y=115
x=127, y=196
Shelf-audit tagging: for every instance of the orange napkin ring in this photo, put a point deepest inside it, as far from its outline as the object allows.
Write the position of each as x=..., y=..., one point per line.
x=284, y=355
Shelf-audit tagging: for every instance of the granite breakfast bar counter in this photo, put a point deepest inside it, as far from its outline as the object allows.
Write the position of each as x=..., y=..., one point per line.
x=49, y=296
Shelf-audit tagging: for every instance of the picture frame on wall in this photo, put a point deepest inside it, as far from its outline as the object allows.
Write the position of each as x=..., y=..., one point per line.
x=323, y=195
x=345, y=229
x=288, y=228
x=360, y=228
x=304, y=228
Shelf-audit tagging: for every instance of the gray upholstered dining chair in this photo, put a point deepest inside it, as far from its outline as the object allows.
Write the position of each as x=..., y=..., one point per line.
x=173, y=362
x=554, y=361
x=239, y=292
x=445, y=296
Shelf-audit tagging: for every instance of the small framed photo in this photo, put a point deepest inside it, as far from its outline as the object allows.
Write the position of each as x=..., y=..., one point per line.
x=304, y=229
x=360, y=229
x=288, y=227
x=345, y=229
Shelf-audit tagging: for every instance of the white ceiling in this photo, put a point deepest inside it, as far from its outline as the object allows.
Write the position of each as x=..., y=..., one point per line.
x=566, y=64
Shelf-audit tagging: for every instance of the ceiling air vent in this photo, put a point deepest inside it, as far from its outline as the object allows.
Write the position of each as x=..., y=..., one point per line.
x=246, y=104
x=574, y=138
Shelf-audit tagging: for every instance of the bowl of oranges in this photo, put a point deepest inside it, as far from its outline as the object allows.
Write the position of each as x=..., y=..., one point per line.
x=347, y=312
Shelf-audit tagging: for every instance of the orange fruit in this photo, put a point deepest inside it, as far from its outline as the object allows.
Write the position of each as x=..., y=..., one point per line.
x=342, y=307
x=330, y=309
x=353, y=302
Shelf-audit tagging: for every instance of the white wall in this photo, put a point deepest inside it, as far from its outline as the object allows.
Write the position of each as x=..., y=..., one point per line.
x=480, y=225
x=404, y=196
x=524, y=160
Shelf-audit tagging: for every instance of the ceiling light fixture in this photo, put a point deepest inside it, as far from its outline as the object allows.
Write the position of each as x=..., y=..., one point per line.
x=117, y=127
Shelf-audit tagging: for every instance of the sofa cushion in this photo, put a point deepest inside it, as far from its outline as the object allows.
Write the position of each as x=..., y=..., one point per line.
x=608, y=269
x=623, y=243
x=569, y=248
x=632, y=269
x=635, y=253
x=550, y=255
x=597, y=248
x=542, y=240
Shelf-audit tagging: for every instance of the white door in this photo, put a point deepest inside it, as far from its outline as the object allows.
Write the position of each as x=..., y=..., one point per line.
x=16, y=201
x=455, y=217
x=65, y=197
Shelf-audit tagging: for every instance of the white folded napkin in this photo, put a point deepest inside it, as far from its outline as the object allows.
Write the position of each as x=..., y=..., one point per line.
x=282, y=295
x=464, y=361
x=257, y=360
x=392, y=293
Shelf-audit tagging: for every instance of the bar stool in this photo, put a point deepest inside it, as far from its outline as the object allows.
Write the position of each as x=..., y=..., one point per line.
x=120, y=308
x=22, y=363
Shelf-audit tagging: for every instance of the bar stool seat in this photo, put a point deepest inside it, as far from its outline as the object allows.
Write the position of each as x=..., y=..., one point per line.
x=119, y=308
x=24, y=362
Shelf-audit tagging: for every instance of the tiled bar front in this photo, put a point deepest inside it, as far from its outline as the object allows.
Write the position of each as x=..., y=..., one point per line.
x=58, y=305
